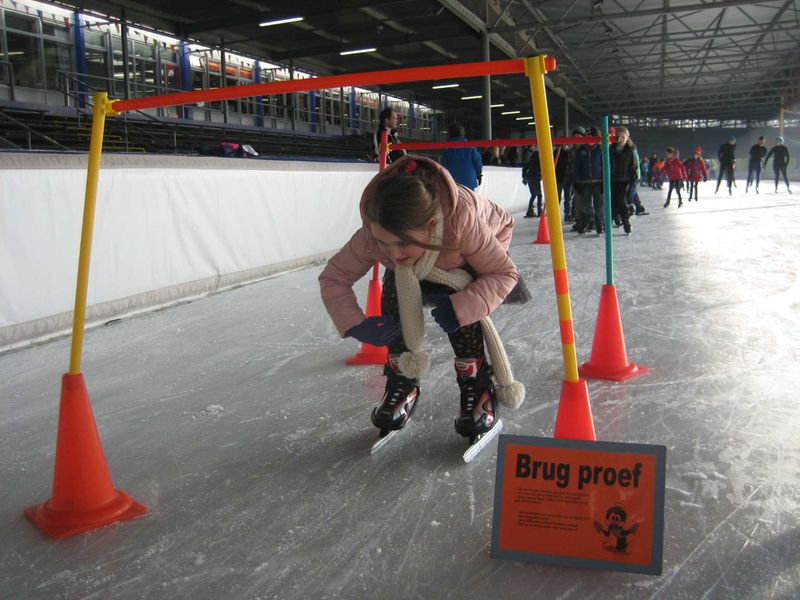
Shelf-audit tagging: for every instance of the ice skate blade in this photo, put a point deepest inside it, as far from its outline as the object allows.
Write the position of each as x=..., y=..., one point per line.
x=385, y=436
x=482, y=441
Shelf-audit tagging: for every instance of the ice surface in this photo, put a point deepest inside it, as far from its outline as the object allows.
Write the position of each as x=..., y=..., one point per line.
x=235, y=420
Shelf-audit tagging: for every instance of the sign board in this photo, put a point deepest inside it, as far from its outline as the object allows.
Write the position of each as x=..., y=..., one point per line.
x=580, y=504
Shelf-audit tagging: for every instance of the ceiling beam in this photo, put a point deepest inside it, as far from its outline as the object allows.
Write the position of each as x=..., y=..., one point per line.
x=667, y=9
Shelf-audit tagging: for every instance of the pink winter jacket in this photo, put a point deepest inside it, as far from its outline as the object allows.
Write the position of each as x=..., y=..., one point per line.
x=480, y=230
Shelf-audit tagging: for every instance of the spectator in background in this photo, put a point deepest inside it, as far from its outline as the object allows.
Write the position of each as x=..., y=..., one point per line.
x=780, y=160
x=464, y=164
x=491, y=156
x=757, y=153
x=389, y=120
x=532, y=177
x=727, y=160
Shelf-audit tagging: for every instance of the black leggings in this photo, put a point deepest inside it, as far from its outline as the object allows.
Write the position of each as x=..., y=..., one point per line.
x=467, y=342
x=778, y=172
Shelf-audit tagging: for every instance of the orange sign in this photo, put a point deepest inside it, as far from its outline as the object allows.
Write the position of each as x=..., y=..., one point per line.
x=580, y=504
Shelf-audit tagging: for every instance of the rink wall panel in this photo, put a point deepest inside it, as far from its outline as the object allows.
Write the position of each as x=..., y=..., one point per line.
x=168, y=229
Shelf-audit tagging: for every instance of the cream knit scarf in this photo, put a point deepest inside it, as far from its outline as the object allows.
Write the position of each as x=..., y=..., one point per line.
x=409, y=295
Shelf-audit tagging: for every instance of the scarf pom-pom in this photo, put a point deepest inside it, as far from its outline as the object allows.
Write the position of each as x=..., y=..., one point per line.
x=414, y=364
x=511, y=394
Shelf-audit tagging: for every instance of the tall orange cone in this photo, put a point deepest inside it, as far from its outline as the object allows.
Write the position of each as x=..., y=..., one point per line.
x=84, y=497
x=543, y=236
x=369, y=354
x=609, y=359
x=574, y=417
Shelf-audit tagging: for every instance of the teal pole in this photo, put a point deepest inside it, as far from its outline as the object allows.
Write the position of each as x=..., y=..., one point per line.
x=607, y=200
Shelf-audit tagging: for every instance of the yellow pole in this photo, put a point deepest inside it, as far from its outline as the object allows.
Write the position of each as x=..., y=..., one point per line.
x=535, y=68
x=101, y=108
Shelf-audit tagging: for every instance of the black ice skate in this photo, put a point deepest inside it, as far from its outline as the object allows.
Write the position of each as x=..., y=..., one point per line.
x=478, y=403
x=399, y=398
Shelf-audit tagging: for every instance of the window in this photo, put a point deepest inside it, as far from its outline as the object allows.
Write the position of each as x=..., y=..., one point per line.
x=21, y=22
x=57, y=57
x=24, y=52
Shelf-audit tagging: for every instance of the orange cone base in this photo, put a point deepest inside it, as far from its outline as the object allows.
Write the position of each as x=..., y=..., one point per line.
x=369, y=355
x=60, y=524
x=628, y=371
x=574, y=417
x=543, y=235
x=609, y=358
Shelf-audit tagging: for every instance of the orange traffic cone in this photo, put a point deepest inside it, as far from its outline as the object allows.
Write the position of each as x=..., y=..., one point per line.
x=609, y=359
x=369, y=354
x=574, y=417
x=543, y=236
x=84, y=497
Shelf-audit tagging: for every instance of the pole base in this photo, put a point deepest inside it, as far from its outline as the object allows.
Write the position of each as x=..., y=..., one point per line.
x=628, y=371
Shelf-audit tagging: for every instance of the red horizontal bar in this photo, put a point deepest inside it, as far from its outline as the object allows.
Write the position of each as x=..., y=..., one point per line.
x=484, y=143
x=476, y=69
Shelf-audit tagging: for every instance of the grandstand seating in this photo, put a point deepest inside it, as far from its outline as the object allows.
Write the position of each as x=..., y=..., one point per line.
x=23, y=127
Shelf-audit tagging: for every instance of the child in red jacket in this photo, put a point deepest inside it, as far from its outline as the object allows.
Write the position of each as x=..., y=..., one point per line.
x=695, y=172
x=676, y=174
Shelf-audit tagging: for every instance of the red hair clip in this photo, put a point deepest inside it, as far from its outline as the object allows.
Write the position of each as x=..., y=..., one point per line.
x=409, y=168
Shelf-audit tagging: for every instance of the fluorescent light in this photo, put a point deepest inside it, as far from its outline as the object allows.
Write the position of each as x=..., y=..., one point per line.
x=523, y=118
x=496, y=105
x=445, y=86
x=471, y=97
x=531, y=124
x=17, y=53
x=359, y=51
x=280, y=21
x=510, y=112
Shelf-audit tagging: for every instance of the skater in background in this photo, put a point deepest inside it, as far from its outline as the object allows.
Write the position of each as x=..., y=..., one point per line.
x=624, y=172
x=695, y=172
x=675, y=173
x=780, y=160
x=532, y=177
x=464, y=164
x=727, y=163
x=564, y=160
x=757, y=153
x=446, y=244
x=588, y=186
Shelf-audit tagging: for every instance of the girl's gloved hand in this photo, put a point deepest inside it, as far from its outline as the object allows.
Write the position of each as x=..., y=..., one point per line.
x=443, y=312
x=377, y=331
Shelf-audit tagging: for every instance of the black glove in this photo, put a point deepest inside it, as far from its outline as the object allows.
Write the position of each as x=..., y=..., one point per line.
x=377, y=331
x=443, y=312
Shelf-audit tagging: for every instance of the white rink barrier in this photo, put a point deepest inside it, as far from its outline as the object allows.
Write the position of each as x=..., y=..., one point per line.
x=169, y=228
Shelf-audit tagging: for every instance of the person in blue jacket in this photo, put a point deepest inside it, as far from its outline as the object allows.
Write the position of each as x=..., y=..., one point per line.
x=464, y=164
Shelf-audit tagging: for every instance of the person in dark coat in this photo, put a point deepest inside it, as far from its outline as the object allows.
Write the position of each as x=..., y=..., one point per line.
x=532, y=177
x=780, y=160
x=727, y=158
x=757, y=153
x=624, y=172
x=389, y=120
